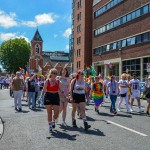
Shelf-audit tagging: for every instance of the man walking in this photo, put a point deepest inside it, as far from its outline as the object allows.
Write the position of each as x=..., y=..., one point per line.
x=135, y=91
x=17, y=85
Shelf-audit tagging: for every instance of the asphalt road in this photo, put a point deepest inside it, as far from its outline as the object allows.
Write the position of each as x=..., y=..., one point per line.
x=28, y=130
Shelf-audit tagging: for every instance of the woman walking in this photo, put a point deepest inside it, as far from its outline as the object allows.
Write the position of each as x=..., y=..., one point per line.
x=147, y=95
x=51, y=98
x=97, y=93
x=65, y=82
x=113, y=90
x=123, y=87
x=77, y=92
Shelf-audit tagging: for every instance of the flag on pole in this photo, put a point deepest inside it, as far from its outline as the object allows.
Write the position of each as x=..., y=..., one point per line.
x=93, y=72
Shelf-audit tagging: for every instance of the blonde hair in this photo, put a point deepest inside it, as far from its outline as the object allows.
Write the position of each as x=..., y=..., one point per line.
x=123, y=75
x=50, y=72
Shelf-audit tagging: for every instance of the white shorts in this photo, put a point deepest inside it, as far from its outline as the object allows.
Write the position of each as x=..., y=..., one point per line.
x=135, y=94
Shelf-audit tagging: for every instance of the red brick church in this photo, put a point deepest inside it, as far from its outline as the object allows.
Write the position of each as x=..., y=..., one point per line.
x=44, y=60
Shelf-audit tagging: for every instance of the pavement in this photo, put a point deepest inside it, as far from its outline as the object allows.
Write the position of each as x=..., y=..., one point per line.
x=28, y=130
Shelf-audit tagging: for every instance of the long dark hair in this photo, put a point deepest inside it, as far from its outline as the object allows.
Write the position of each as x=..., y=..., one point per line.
x=67, y=73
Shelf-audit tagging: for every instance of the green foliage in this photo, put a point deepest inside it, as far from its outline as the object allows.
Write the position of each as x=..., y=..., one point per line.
x=14, y=53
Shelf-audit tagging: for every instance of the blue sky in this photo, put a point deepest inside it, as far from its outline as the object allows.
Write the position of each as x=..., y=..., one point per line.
x=20, y=18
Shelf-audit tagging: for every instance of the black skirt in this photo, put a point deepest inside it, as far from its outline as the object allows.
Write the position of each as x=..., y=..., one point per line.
x=51, y=99
x=78, y=98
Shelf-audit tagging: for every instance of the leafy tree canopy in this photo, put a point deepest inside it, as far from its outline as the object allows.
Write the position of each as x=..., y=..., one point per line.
x=15, y=53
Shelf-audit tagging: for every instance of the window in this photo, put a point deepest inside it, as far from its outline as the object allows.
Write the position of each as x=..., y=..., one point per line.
x=124, y=43
x=133, y=40
x=115, y=45
x=145, y=37
x=37, y=49
x=124, y=19
x=133, y=15
x=138, y=39
x=129, y=17
x=145, y=9
x=78, y=40
x=79, y=28
x=128, y=41
x=138, y=12
x=111, y=46
x=108, y=48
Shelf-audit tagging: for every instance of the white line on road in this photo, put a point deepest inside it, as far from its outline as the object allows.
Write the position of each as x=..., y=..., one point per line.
x=126, y=128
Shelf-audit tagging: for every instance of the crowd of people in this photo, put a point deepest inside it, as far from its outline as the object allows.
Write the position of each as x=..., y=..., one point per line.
x=55, y=92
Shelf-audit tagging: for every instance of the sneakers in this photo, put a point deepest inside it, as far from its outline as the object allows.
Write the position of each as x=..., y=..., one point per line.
x=147, y=113
x=16, y=109
x=74, y=123
x=20, y=110
x=50, y=128
x=86, y=126
x=53, y=124
x=140, y=110
x=64, y=124
x=131, y=109
x=118, y=109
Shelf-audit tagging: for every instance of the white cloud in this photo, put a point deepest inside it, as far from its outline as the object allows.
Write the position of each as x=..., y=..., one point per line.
x=55, y=35
x=67, y=33
x=8, y=36
x=67, y=47
x=7, y=20
x=41, y=19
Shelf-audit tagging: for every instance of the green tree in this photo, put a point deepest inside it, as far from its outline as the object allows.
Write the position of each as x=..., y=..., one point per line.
x=15, y=53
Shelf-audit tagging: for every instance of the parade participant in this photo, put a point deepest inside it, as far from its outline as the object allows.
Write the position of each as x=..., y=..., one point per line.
x=65, y=82
x=17, y=86
x=97, y=93
x=135, y=91
x=87, y=91
x=31, y=90
x=147, y=95
x=129, y=88
x=113, y=90
x=51, y=99
x=41, y=81
x=77, y=92
x=123, y=87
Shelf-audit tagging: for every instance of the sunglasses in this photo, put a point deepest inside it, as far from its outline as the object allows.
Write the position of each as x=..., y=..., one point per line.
x=54, y=73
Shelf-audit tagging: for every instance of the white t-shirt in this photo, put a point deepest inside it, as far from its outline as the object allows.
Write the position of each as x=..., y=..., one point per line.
x=79, y=88
x=122, y=89
x=135, y=85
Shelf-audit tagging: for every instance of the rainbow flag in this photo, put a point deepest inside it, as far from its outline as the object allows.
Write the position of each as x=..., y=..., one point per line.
x=108, y=78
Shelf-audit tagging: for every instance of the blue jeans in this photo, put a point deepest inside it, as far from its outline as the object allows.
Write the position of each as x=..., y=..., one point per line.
x=113, y=99
x=31, y=96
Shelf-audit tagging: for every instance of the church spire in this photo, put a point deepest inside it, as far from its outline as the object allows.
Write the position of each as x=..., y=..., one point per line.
x=37, y=36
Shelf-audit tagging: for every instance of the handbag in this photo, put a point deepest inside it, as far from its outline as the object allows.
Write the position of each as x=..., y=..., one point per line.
x=123, y=95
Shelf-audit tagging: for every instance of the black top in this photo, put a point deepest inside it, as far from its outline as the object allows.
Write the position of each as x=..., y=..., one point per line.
x=31, y=86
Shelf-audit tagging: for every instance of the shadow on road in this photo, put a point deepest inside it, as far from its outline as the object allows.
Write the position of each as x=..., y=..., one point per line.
x=80, y=129
x=62, y=135
x=23, y=111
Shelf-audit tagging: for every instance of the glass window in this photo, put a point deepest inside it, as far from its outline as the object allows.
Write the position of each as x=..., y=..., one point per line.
x=108, y=27
x=133, y=15
x=124, y=63
x=145, y=60
x=138, y=61
x=133, y=62
x=111, y=46
x=128, y=41
x=149, y=7
x=133, y=40
x=138, y=39
x=108, y=47
x=124, y=43
x=129, y=17
x=138, y=12
x=115, y=23
x=118, y=22
x=103, y=29
x=128, y=62
x=104, y=9
x=100, y=50
x=115, y=45
x=124, y=19
x=137, y=67
x=145, y=37
x=115, y=2
x=112, y=25
x=112, y=3
x=108, y=6
x=133, y=67
x=145, y=9
x=104, y=48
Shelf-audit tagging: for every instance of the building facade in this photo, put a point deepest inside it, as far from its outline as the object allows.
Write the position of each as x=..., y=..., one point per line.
x=82, y=33
x=121, y=37
x=44, y=60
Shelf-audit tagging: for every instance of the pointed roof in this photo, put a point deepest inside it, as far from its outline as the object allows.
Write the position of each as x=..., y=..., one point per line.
x=37, y=36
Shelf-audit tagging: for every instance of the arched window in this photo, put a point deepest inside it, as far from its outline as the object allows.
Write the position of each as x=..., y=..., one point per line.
x=37, y=49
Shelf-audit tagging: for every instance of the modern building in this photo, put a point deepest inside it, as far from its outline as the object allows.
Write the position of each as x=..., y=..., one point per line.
x=82, y=33
x=45, y=60
x=121, y=37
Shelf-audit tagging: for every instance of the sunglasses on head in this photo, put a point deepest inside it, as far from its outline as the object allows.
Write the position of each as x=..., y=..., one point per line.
x=54, y=73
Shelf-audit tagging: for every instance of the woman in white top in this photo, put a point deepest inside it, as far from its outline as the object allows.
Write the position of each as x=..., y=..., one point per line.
x=123, y=86
x=65, y=82
x=77, y=92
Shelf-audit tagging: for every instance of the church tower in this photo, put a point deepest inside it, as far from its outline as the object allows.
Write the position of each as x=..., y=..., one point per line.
x=36, y=59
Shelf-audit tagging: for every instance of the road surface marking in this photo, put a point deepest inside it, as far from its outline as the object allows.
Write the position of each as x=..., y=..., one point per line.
x=126, y=128
x=1, y=128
